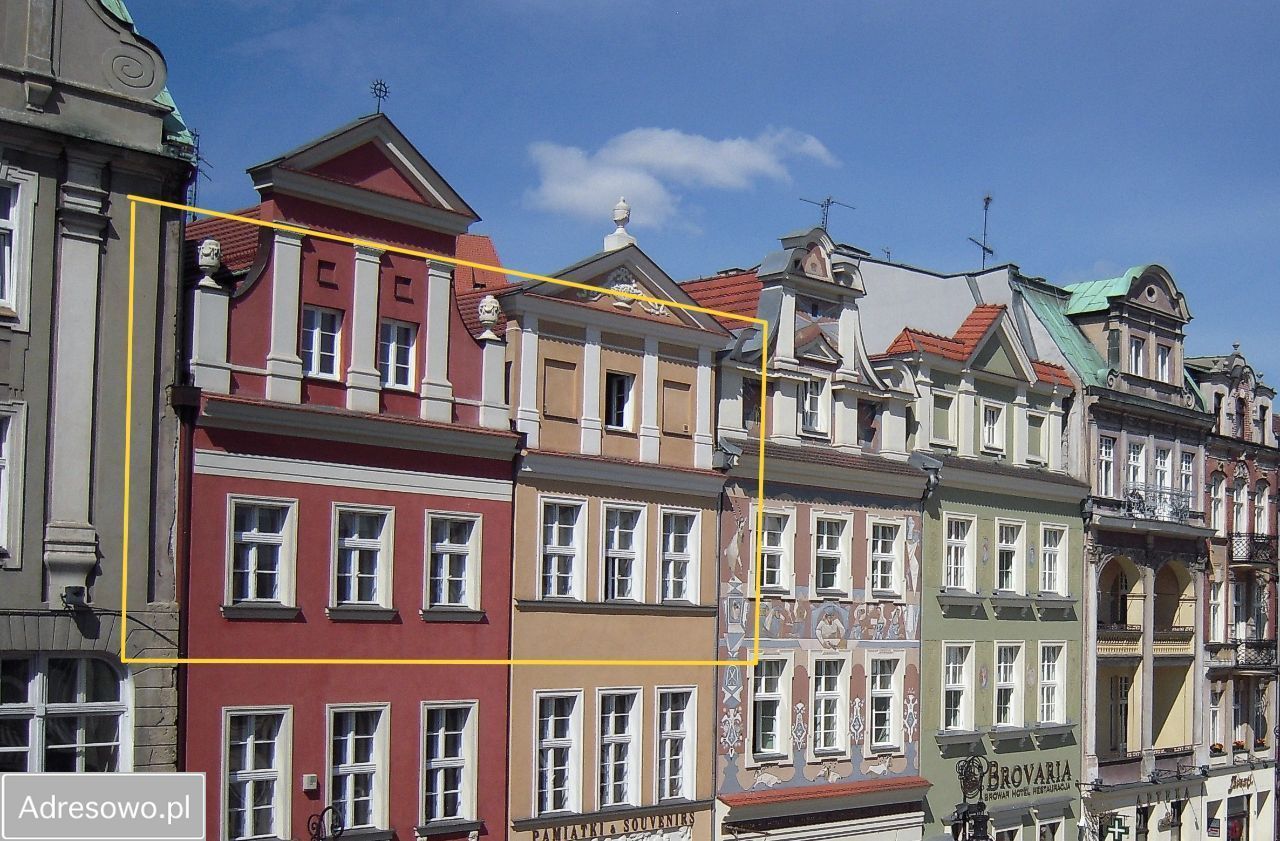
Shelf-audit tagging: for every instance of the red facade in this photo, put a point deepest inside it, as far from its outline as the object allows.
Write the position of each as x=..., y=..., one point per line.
x=345, y=510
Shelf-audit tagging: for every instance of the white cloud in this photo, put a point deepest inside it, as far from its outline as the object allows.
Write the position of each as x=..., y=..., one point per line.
x=647, y=165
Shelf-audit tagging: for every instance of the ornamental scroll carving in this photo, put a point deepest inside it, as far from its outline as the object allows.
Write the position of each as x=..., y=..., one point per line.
x=622, y=280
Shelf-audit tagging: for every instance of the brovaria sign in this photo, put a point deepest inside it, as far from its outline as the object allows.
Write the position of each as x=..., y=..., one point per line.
x=1027, y=779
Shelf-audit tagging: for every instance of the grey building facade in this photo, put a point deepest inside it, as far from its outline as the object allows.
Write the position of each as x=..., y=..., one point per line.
x=86, y=121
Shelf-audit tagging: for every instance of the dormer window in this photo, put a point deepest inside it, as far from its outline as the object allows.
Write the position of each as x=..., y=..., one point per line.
x=1138, y=357
x=1163, y=355
x=617, y=400
x=813, y=395
x=993, y=427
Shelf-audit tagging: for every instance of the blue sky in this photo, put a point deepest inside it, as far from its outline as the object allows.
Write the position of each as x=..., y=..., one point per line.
x=1109, y=134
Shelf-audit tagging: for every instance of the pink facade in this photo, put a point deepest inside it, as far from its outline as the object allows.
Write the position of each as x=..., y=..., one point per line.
x=349, y=499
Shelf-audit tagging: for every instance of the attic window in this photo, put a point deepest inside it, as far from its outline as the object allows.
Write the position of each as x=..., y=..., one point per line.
x=1151, y=293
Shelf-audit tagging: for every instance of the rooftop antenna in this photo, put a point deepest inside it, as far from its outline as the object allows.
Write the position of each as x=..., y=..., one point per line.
x=202, y=163
x=825, y=204
x=888, y=255
x=987, y=251
x=380, y=92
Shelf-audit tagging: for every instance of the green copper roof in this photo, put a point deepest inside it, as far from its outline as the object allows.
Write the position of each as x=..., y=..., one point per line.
x=1052, y=310
x=1095, y=295
x=175, y=128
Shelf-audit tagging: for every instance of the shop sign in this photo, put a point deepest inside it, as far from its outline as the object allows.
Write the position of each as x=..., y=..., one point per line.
x=620, y=828
x=1240, y=782
x=1214, y=829
x=1027, y=779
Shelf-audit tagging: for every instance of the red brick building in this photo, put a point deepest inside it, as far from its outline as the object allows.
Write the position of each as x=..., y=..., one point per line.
x=349, y=498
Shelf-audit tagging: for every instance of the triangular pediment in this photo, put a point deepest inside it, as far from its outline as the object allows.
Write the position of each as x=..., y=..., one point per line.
x=819, y=348
x=999, y=353
x=627, y=270
x=368, y=166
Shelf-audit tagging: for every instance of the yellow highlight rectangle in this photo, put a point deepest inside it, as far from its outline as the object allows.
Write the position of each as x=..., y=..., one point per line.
x=128, y=443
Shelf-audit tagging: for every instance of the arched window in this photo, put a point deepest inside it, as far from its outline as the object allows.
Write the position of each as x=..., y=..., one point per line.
x=74, y=706
x=1216, y=503
x=1262, y=509
x=1237, y=505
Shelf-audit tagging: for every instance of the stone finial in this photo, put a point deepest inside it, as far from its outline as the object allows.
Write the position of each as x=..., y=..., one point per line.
x=488, y=313
x=209, y=259
x=620, y=238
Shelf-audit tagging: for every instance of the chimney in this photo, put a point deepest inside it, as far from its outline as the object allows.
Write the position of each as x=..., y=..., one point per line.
x=620, y=238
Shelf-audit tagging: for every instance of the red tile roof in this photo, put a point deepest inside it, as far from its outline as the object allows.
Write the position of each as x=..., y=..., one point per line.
x=470, y=285
x=960, y=347
x=239, y=240
x=733, y=292
x=911, y=787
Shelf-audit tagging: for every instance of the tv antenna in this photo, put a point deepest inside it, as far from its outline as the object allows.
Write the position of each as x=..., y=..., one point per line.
x=825, y=204
x=380, y=92
x=888, y=255
x=987, y=251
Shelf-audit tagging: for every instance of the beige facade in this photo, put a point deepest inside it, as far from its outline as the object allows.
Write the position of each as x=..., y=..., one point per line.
x=614, y=556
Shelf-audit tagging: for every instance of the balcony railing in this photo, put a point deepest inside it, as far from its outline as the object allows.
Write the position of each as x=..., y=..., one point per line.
x=1250, y=548
x=1254, y=653
x=1153, y=502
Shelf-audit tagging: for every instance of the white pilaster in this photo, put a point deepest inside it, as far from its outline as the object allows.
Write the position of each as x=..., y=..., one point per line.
x=1019, y=421
x=364, y=385
x=966, y=415
x=1089, y=671
x=650, y=434
x=70, y=538
x=924, y=409
x=284, y=367
x=784, y=352
x=785, y=406
x=1199, y=678
x=1146, y=730
x=592, y=428
x=731, y=404
x=893, y=427
x=847, y=337
x=437, y=391
x=1054, y=444
x=209, y=307
x=702, y=440
x=528, y=416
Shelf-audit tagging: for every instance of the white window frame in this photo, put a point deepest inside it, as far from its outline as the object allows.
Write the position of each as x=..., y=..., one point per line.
x=1058, y=834
x=388, y=367
x=380, y=764
x=895, y=743
x=1217, y=504
x=628, y=398
x=1061, y=556
x=572, y=743
x=783, y=697
x=1138, y=356
x=785, y=552
x=948, y=436
x=840, y=695
x=1121, y=689
x=286, y=570
x=37, y=709
x=1164, y=472
x=473, y=549
x=1057, y=686
x=1135, y=463
x=1107, y=465
x=13, y=429
x=843, y=553
x=1011, y=681
x=1216, y=736
x=813, y=401
x=968, y=545
x=1239, y=500
x=311, y=366
x=896, y=557
x=469, y=761
x=577, y=571
x=685, y=735
x=1187, y=475
x=964, y=685
x=636, y=555
x=1164, y=360
x=997, y=431
x=281, y=773
x=1262, y=508
x=633, y=739
x=16, y=293
x=1216, y=612
x=1019, y=551
x=689, y=557
x=386, y=545
x=1043, y=456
